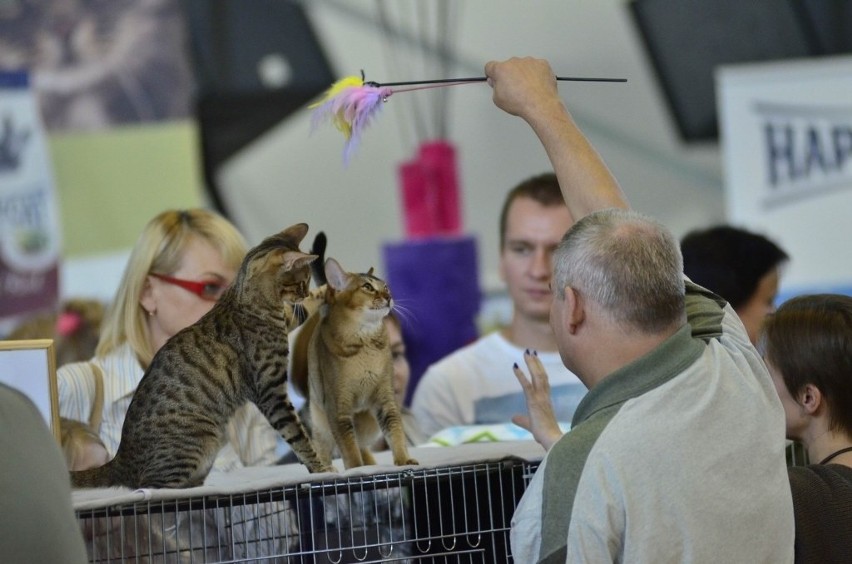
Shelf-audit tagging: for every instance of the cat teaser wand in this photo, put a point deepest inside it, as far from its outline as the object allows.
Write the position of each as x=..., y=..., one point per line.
x=351, y=103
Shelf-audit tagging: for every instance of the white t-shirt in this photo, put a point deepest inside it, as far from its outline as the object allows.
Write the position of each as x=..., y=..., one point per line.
x=475, y=385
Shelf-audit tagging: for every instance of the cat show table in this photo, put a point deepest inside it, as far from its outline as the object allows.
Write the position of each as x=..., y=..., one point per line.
x=456, y=503
x=256, y=478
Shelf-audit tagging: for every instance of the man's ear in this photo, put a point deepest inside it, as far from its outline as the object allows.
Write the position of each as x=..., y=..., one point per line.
x=575, y=312
x=810, y=398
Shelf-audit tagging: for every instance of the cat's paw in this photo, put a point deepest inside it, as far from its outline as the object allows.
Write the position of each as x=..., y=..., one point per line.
x=406, y=462
x=328, y=468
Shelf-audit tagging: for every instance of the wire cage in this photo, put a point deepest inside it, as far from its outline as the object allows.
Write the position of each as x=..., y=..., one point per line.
x=458, y=513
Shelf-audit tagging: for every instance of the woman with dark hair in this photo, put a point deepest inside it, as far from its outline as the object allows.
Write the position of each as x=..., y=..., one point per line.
x=807, y=345
x=740, y=266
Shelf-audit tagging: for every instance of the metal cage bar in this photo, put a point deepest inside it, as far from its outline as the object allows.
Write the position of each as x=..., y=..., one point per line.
x=447, y=514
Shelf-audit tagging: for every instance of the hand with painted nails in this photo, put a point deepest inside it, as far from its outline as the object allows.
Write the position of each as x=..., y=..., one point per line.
x=541, y=421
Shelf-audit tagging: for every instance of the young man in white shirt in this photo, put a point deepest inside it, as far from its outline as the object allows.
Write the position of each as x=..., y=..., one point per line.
x=475, y=384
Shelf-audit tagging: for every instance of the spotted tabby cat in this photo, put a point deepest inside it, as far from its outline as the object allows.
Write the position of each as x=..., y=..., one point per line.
x=237, y=352
x=350, y=370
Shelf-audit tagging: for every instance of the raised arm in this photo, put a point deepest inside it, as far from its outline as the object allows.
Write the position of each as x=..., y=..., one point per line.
x=526, y=87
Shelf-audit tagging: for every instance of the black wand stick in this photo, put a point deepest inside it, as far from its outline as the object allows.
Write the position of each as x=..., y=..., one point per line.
x=481, y=79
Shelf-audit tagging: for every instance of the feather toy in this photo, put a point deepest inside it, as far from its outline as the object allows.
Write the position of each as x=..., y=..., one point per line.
x=351, y=102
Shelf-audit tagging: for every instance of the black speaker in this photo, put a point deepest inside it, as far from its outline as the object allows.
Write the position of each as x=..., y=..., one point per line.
x=686, y=40
x=831, y=21
x=256, y=62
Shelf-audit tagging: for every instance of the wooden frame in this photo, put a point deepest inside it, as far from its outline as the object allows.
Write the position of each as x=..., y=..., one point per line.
x=30, y=367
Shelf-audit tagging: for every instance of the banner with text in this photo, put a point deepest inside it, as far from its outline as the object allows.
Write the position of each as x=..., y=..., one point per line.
x=786, y=135
x=29, y=220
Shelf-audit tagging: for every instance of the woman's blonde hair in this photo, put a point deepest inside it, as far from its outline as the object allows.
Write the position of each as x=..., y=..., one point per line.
x=74, y=436
x=160, y=248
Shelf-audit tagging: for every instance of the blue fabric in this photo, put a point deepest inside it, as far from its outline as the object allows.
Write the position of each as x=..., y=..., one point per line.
x=435, y=284
x=786, y=293
x=493, y=409
x=14, y=79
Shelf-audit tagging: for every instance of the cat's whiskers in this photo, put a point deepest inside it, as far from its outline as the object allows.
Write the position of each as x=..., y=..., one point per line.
x=404, y=314
x=300, y=312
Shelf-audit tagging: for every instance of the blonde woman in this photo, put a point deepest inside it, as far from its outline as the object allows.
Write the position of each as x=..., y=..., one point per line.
x=178, y=268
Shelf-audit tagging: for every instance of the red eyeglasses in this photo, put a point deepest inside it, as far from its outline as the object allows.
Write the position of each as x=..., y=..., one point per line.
x=210, y=291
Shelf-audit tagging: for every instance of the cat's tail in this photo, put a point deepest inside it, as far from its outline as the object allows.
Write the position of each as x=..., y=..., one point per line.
x=100, y=477
x=318, y=266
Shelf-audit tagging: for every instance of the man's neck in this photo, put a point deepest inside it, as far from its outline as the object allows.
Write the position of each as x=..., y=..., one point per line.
x=529, y=334
x=607, y=352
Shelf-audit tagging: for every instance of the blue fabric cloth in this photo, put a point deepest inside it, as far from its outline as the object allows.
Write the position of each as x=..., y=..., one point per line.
x=435, y=284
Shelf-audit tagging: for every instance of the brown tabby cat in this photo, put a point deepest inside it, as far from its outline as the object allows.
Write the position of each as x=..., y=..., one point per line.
x=237, y=352
x=350, y=371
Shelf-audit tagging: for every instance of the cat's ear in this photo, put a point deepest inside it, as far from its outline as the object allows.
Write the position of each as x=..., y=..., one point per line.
x=293, y=260
x=337, y=277
x=370, y=272
x=297, y=232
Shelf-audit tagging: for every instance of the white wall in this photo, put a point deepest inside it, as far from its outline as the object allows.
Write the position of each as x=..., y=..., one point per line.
x=292, y=175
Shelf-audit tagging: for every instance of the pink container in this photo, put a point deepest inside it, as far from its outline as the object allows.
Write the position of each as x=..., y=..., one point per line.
x=438, y=159
x=430, y=192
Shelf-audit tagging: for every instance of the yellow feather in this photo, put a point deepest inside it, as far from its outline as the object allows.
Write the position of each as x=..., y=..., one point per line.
x=335, y=89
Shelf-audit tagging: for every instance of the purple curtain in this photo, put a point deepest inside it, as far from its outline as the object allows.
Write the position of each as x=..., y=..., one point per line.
x=436, y=287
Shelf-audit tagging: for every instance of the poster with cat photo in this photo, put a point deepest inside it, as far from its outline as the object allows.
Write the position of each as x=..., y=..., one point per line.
x=97, y=64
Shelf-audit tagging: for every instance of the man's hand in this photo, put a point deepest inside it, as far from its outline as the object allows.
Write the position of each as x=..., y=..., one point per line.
x=541, y=421
x=521, y=84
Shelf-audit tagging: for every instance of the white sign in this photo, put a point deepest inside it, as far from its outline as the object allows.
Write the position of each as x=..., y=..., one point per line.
x=30, y=368
x=786, y=133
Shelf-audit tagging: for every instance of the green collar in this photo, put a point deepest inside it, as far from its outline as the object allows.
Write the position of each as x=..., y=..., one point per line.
x=643, y=374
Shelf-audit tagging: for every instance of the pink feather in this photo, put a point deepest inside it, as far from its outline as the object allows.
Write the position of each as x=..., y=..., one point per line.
x=350, y=107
